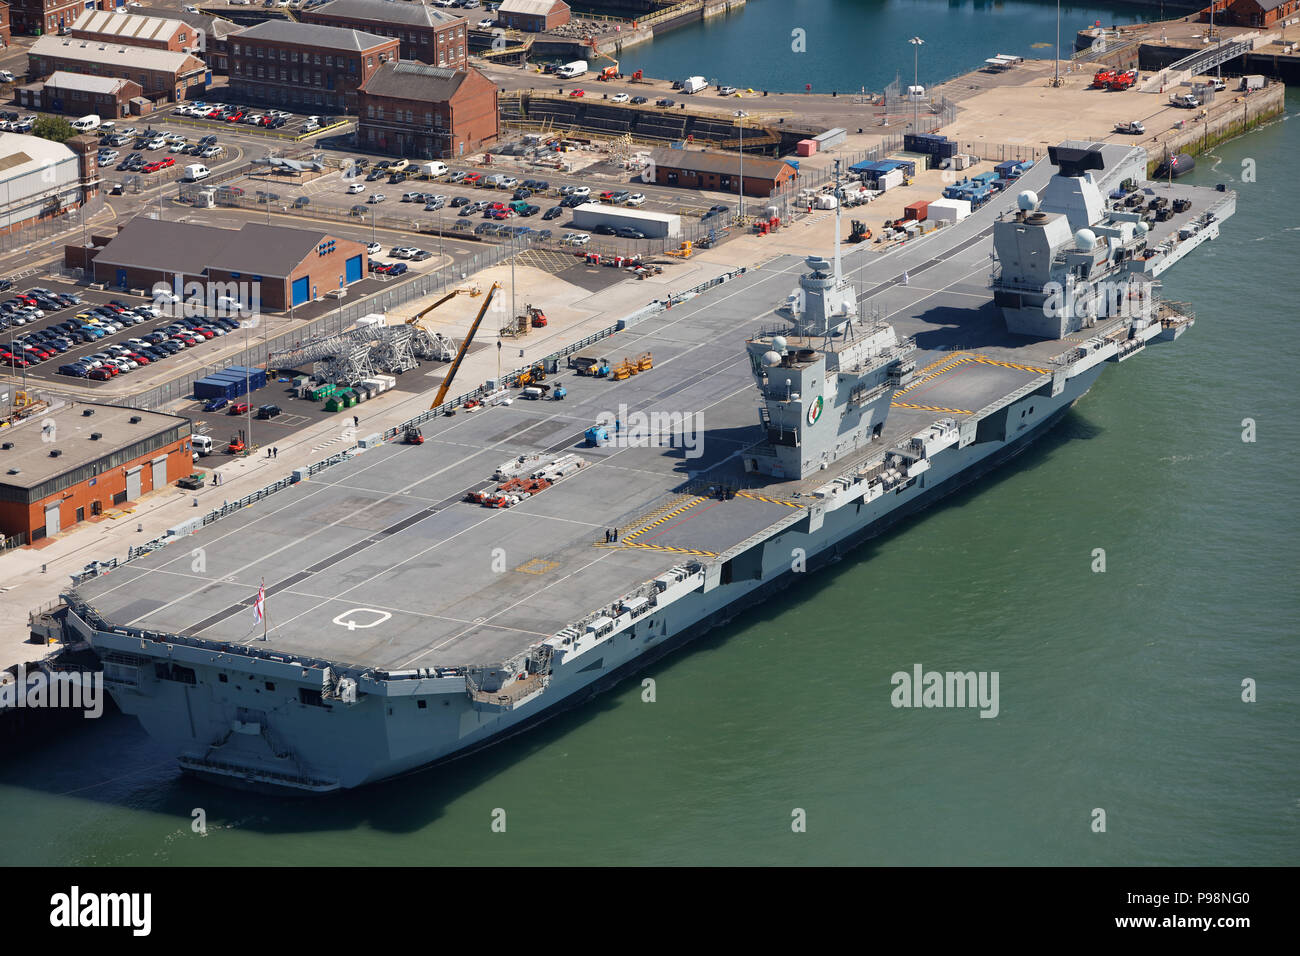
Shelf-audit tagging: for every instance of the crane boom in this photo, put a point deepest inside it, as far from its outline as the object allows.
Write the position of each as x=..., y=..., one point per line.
x=464, y=346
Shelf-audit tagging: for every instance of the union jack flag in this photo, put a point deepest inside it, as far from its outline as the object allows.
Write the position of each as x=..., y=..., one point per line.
x=259, y=606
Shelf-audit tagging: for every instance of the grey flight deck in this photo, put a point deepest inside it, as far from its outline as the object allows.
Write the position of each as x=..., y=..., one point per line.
x=378, y=562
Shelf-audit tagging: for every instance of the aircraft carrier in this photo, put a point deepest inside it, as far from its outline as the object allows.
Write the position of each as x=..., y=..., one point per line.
x=425, y=600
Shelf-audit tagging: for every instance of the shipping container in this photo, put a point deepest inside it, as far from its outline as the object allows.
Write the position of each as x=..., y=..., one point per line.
x=806, y=147
x=831, y=138
x=916, y=210
x=948, y=210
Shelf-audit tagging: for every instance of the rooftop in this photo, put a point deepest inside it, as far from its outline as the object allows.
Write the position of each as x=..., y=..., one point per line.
x=534, y=7
x=21, y=154
x=314, y=34
x=710, y=162
x=388, y=11
x=65, y=80
x=68, y=431
x=215, y=26
x=130, y=25
x=190, y=248
x=99, y=51
x=408, y=80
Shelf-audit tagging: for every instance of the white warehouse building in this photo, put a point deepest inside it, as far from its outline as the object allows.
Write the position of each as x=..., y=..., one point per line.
x=655, y=225
x=39, y=179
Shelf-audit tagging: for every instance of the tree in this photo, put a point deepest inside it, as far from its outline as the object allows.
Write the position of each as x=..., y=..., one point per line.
x=53, y=127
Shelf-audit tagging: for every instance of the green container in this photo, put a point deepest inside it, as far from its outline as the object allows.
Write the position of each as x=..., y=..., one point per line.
x=323, y=392
x=349, y=398
x=334, y=403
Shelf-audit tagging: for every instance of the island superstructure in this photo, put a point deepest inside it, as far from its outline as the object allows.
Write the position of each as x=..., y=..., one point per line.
x=408, y=625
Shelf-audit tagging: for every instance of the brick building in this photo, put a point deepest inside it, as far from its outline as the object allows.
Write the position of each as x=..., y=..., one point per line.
x=214, y=34
x=1259, y=13
x=5, y=37
x=133, y=29
x=427, y=34
x=304, y=64
x=82, y=460
x=532, y=16
x=78, y=95
x=284, y=262
x=413, y=109
x=719, y=171
x=44, y=17
x=160, y=73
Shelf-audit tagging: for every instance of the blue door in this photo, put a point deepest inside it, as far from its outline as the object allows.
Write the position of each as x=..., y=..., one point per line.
x=121, y=278
x=353, y=269
x=300, y=291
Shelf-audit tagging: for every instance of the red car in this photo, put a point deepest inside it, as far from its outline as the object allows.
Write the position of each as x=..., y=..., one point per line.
x=166, y=161
x=239, y=408
x=500, y=213
x=234, y=117
x=577, y=92
x=472, y=179
x=151, y=167
x=206, y=333
x=138, y=359
x=99, y=374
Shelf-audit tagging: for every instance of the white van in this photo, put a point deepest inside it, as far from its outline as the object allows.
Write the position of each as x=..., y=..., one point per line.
x=693, y=84
x=434, y=170
x=916, y=92
x=195, y=172
x=202, y=444
x=86, y=123
x=570, y=70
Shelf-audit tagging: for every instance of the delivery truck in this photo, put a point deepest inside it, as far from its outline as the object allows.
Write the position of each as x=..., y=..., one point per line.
x=693, y=84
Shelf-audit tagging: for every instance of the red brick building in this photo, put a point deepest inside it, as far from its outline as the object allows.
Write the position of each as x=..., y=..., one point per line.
x=719, y=171
x=162, y=74
x=133, y=29
x=427, y=34
x=77, y=94
x=304, y=64
x=412, y=109
x=44, y=17
x=533, y=16
x=1259, y=13
x=281, y=262
x=5, y=37
x=80, y=461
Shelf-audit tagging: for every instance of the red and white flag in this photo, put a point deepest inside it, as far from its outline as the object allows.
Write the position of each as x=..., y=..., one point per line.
x=259, y=606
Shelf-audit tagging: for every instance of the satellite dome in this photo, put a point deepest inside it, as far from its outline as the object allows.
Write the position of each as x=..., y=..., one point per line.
x=779, y=343
x=1143, y=226
x=1027, y=200
x=1086, y=239
x=771, y=359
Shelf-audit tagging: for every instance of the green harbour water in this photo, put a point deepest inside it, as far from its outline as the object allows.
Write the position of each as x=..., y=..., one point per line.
x=1119, y=690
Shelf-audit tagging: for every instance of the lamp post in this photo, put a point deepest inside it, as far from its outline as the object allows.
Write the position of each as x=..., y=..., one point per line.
x=741, y=115
x=1056, y=81
x=916, y=57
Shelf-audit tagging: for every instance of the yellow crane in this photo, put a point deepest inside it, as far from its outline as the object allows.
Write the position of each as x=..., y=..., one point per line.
x=415, y=319
x=464, y=346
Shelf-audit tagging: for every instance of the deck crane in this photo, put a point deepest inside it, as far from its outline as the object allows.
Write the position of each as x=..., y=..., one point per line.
x=464, y=346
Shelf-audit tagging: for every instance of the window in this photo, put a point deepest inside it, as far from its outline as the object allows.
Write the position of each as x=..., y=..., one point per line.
x=284, y=75
x=293, y=56
x=428, y=119
x=370, y=61
x=379, y=113
x=316, y=80
x=260, y=53
x=284, y=54
x=409, y=117
x=316, y=59
x=236, y=49
x=370, y=110
x=329, y=60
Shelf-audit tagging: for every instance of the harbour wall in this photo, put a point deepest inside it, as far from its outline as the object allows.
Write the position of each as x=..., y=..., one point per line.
x=1246, y=112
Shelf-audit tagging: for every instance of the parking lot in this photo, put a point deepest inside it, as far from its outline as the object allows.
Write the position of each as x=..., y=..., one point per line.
x=101, y=331
x=491, y=205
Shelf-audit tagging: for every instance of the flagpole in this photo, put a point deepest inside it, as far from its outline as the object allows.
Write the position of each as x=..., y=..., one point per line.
x=263, y=608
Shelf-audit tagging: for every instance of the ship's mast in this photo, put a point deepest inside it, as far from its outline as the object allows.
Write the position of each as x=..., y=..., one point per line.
x=838, y=262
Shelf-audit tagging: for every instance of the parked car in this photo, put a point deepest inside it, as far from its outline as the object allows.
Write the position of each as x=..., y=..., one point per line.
x=619, y=98
x=375, y=198
x=555, y=212
x=636, y=199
